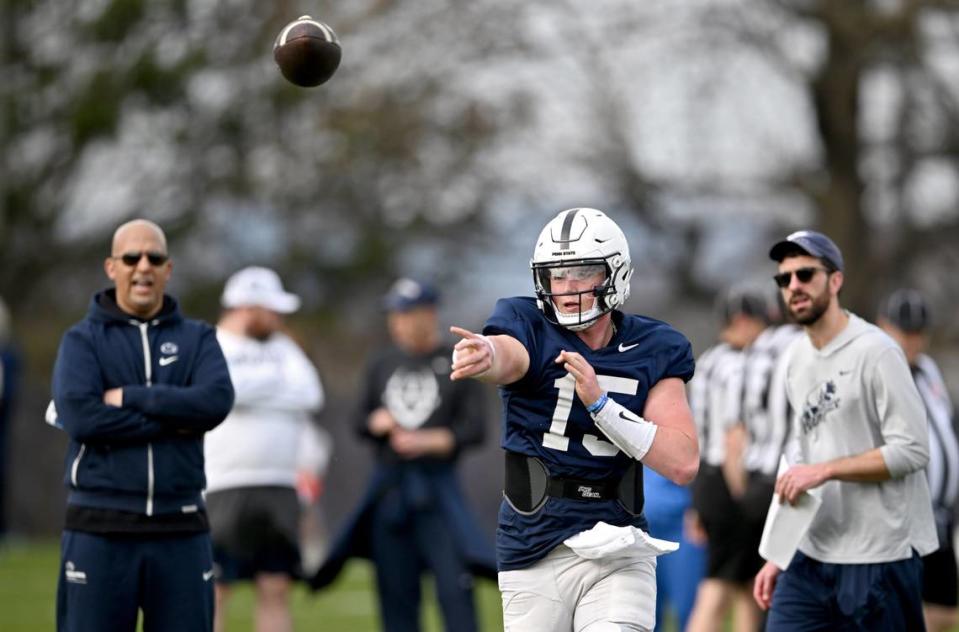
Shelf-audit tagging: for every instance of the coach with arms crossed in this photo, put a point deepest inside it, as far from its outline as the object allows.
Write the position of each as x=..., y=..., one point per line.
x=860, y=434
x=135, y=386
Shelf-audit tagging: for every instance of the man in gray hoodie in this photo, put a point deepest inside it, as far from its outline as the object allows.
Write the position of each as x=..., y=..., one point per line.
x=859, y=438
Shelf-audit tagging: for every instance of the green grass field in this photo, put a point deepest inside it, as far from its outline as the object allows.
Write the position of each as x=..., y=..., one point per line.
x=28, y=584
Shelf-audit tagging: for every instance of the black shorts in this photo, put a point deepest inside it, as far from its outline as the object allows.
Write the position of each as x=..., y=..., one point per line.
x=254, y=530
x=733, y=527
x=940, y=585
x=755, y=502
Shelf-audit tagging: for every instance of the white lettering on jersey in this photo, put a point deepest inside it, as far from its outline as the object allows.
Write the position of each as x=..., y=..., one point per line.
x=556, y=438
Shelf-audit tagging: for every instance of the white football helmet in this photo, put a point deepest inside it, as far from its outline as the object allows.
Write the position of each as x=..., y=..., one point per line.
x=579, y=242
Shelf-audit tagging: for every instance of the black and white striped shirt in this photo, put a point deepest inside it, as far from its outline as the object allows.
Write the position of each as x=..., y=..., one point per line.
x=942, y=471
x=715, y=395
x=765, y=406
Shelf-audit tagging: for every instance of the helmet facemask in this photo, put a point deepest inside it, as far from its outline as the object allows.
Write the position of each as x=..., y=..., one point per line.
x=595, y=296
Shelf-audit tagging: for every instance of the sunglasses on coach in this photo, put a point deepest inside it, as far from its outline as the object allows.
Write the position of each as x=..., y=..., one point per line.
x=133, y=258
x=804, y=275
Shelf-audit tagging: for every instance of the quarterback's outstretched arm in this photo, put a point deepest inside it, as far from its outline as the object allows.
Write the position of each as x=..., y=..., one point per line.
x=494, y=359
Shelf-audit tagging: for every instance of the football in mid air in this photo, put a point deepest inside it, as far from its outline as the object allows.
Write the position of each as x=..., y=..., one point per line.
x=307, y=52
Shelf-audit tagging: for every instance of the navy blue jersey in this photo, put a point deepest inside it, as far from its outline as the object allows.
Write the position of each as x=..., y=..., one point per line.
x=543, y=417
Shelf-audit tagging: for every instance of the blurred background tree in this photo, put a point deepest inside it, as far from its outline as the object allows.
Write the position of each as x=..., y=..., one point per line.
x=451, y=132
x=878, y=78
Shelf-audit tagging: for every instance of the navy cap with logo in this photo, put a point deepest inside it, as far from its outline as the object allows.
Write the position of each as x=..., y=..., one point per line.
x=907, y=310
x=406, y=294
x=808, y=242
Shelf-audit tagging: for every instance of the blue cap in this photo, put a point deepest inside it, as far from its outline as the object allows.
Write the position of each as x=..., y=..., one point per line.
x=405, y=294
x=811, y=243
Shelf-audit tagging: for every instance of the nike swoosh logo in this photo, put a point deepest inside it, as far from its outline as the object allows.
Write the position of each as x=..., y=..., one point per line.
x=168, y=360
x=623, y=347
x=208, y=575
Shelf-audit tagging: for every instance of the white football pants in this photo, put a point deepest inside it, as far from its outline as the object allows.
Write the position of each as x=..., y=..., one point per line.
x=564, y=592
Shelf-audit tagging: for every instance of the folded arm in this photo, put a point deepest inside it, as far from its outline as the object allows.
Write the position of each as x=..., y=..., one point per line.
x=295, y=386
x=197, y=407
x=78, y=395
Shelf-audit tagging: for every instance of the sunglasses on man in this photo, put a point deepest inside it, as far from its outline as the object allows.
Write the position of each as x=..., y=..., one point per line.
x=133, y=258
x=804, y=275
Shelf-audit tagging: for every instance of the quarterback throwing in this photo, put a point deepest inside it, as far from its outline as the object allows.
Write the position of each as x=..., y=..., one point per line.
x=590, y=396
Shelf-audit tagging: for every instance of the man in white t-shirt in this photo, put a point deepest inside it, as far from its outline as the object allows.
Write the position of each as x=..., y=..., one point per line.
x=859, y=441
x=255, y=456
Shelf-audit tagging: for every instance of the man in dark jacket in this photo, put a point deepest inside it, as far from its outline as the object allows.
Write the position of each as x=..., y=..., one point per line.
x=135, y=386
x=414, y=517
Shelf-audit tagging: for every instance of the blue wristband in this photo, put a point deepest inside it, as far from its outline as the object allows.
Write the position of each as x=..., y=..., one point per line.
x=597, y=406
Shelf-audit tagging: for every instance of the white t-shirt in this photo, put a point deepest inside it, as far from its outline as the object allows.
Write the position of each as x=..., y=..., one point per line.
x=268, y=435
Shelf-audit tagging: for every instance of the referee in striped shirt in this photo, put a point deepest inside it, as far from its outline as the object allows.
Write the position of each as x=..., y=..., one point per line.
x=904, y=315
x=765, y=420
x=716, y=398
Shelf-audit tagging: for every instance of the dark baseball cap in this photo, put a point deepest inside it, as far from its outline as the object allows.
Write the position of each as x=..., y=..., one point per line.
x=907, y=310
x=406, y=293
x=746, y=301
x=811, y=243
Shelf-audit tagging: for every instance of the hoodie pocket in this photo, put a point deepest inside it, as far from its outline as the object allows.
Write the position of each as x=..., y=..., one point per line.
x=106, y=468
x=178, y=466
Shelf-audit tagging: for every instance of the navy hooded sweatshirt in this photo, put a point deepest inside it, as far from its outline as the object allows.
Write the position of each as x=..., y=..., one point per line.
x=144, y=459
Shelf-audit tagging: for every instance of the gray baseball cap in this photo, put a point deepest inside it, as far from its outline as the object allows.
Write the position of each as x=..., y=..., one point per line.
x=811, y=243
